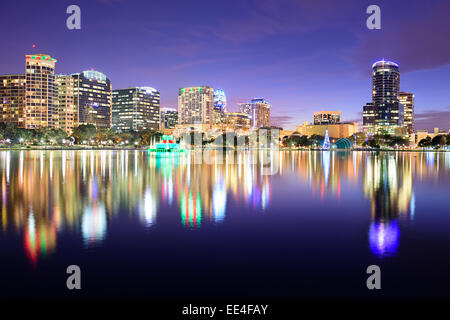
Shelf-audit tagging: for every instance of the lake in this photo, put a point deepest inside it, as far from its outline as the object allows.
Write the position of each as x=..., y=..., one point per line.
x=305, y=224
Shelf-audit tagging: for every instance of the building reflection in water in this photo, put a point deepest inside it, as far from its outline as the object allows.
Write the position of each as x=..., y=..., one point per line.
x=45, y=193
x=388, y=184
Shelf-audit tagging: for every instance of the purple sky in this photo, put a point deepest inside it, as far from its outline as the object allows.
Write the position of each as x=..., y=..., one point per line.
x=302, y=56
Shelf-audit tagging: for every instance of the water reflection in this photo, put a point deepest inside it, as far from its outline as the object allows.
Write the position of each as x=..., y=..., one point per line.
x=46, y=193
x=384, y=237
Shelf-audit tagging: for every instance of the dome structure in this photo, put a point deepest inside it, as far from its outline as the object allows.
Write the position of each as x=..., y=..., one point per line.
x=343, y=143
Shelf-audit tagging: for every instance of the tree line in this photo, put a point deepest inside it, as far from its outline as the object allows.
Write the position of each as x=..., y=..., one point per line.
x=436, y=142
x=84, y=134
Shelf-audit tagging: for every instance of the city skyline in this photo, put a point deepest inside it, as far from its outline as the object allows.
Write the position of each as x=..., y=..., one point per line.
x=289, y=76
x=225, y=158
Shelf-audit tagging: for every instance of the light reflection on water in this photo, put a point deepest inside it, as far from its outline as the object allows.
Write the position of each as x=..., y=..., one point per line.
x=47, y=193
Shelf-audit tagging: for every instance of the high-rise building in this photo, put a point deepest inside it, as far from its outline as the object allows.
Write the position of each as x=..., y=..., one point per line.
x=407, y=100
x=41, y=92
x=384, y=113
x=66, y=103
x=237, y=121
x=169, y=118
x=92, y=91
x=12, y=99
x=220, y=106
x=259, y=112
x=195, y=105
x=135, y=109
x=327, y=117
x=369, y=116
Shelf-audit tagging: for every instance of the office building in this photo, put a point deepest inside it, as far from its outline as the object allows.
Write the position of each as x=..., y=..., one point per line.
x=12, y=99
x=335, y=131
x=258, y=111
x=92, y=93
x=237, y=121
x=135, y=109
x=220, y=106
x=327, y=117
x=384, y=113
x=369, y=112
x=407, y=100
x=169, y=118
x=40, y=92
x=66, y=103
x=195, y=105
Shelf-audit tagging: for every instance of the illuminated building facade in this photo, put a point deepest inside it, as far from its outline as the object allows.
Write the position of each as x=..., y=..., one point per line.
x=237, y=121
x=407, y=100
x=327, y=117
x=92, y=91
x=384, y=113
x=66, y=103
x=169, y=118
x=220, y=106
x=41, y=92
x=335, y=131
x=369, y=116
x=12, y=99
x=135, y=109
x=258, y=111
x=195, y=105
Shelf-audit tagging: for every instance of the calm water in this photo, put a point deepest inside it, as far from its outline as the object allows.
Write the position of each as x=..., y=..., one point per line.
x=143, y=226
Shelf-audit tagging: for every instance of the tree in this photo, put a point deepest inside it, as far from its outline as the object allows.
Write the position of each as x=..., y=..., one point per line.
x=291, y=141
x=57, y=135
x=426, y=142
x=84, y=133
x=360, y=138
x=398, y=141
x=10, y=131
x=24, y=135
x=104, y=134
x=439, y=141
x=316, y=140
x=149, y=135
x=296, y=140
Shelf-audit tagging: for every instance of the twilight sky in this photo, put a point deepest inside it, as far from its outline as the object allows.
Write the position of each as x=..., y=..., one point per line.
x=301, y=55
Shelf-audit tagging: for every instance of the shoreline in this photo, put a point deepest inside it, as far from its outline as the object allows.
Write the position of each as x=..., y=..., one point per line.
x=93, y=148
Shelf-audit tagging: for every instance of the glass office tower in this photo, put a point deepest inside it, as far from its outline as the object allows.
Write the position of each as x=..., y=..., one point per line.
x=92, y=94
x=135, y=109
x=258, y=111
x=169, y=118
x=384, y=113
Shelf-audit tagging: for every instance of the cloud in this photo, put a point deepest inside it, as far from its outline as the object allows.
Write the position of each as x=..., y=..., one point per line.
x=417, y=38
x=263, y=18
x=281, y=121
x=433, y=119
